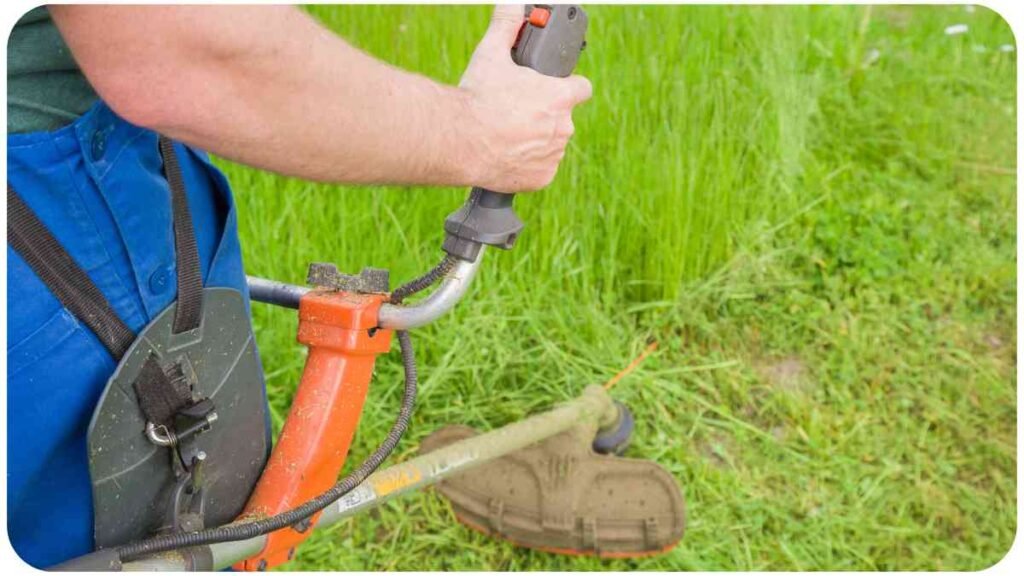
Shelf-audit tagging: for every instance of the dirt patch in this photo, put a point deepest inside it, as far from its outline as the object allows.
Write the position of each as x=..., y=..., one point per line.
x=994, y=341
x=788, y=374
x=1000, y=344
x=718, y=450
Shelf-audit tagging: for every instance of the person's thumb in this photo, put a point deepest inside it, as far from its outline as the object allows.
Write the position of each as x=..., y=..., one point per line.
x=505, y=24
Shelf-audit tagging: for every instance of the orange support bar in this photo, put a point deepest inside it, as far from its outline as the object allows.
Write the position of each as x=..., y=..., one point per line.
x=337, y=328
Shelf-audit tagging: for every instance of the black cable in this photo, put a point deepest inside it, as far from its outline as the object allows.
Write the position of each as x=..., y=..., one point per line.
x=244, y=531
x=423, y=282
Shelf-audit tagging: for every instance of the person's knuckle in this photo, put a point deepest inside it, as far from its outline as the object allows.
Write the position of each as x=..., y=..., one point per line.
x=542, y=173
x=549, y=176
x=566, y=128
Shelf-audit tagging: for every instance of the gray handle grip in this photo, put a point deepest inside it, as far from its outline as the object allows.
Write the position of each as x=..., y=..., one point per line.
x=550, y=42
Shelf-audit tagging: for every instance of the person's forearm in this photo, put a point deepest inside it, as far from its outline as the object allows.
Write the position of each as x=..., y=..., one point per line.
x=270, y=87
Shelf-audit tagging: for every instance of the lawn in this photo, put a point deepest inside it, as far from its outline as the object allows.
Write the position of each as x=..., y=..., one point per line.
x=810, y=209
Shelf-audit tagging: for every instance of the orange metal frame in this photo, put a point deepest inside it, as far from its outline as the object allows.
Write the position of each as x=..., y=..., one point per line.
x=341, y=332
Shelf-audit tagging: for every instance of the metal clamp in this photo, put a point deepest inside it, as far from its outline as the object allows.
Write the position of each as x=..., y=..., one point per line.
x=161, y=435
x=369, y=280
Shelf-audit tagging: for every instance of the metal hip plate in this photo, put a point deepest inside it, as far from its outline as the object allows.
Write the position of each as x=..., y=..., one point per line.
x=132, y=478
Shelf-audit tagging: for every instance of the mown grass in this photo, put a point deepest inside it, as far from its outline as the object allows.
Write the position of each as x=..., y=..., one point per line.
x=812, y=209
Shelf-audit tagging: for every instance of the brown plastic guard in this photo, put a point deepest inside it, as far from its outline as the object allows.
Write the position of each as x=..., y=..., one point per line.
x=559, y=496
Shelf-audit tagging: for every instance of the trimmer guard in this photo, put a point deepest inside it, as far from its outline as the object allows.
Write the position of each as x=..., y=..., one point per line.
x=132, y=478
x=560, y=496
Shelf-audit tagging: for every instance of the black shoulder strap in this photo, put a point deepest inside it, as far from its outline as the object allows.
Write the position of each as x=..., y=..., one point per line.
x=190, y=278
x=77, y=292
x=64, y=277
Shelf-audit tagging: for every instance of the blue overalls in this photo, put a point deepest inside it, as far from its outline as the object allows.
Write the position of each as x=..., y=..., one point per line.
x=97, y=185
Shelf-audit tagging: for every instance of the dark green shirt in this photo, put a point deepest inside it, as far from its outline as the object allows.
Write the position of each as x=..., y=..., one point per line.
x=45, y=87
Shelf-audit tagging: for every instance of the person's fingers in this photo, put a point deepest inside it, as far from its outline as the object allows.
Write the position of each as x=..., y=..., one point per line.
x=505, y=24
x=580, y=89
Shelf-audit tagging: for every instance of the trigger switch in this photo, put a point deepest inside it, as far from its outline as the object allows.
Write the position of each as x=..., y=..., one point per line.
x=539, y=17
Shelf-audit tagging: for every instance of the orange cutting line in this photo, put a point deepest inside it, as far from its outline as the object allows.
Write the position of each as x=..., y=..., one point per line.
x=632, y=365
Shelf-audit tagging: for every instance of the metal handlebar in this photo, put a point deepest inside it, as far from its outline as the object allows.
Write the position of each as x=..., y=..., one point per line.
x=453, y=287
x=274, y=292
x=440, y=301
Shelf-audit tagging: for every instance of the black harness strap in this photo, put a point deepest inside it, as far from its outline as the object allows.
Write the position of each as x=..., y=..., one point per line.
x=64, y=277
x=77, y=292
x=190, y=279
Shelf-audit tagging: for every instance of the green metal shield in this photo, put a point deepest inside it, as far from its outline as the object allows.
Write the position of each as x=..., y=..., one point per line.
x=132, y=478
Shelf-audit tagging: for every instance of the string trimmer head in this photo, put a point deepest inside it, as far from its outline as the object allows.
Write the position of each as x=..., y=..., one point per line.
x=561, y=495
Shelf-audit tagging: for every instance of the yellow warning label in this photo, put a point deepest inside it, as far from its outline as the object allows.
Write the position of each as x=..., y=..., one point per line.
x=395, y=480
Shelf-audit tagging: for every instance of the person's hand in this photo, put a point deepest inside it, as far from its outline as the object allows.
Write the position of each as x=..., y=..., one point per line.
x=520, y=120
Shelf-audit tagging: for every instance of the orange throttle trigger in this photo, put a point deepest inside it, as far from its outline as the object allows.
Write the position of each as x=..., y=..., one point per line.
x=539, y=16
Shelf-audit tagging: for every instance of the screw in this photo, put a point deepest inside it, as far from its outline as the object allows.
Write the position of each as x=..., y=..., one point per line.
x=263, y=566
x=291, y=553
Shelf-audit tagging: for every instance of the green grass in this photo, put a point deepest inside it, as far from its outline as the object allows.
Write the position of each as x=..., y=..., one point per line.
x=822, y=240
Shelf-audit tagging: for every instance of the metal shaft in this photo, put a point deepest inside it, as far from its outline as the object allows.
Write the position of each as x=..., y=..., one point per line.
x=424, y=470
x=427, y=469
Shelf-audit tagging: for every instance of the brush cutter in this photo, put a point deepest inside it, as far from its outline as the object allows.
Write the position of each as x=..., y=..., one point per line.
x=198, y=491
